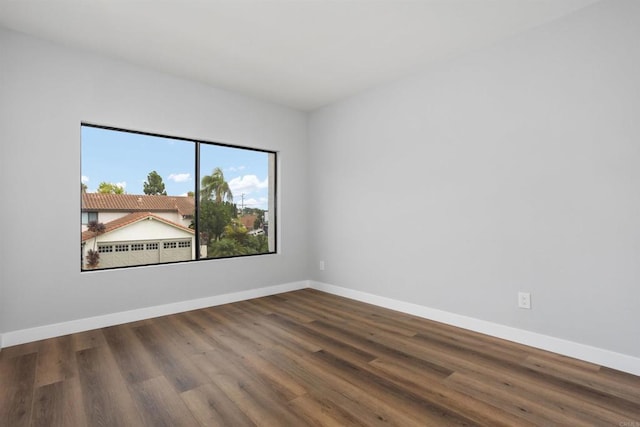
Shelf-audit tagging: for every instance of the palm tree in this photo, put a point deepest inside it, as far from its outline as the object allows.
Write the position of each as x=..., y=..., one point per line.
x=214, y=186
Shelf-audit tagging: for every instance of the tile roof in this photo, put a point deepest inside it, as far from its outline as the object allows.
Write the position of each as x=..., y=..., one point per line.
x=184, y=205
x=130, y=219
x=248, y=220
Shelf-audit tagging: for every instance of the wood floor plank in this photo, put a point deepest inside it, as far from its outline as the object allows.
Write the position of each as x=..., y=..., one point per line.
x=347, y=334
x=55, y=361
x=330, y=390
x=588, y=379
x=187, y=340
x=106, y=398
x=280, y=307
x=208, y=327
x=303, y=358
x=88, y=339
x=402, y=397
x=325, y=384
x=532, y=410
x=17, y=378
x=59, y=404
x=324, y=412
x=160, y=405
x=285, y=337
x=212, y=407
x=19, y=350
x=324, y=341
x=174, y=365
x=251, y=394
x=134, y=361
x=435, y=389
x=568, y=404
x=339, y=313
x=249, y=368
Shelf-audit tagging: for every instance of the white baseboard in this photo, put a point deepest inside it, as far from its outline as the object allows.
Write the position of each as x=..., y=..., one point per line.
x=584, y=352
x=80, y=325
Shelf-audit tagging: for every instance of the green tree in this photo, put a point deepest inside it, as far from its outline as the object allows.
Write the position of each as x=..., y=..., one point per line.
x=83, y=187
x=256, y=244
x=226, y=247
x=154, y=185
x=236, y=231
x=215, y=187
x=214, y=217
x=109, y=188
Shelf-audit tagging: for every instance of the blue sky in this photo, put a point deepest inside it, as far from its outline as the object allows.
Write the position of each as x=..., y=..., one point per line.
x=126, y=159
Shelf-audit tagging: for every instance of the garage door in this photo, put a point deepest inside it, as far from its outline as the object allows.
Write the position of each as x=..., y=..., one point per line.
x=121, y=254
x=175, y=250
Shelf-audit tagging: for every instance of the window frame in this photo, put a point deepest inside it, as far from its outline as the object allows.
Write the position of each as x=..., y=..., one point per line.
x=272, y=207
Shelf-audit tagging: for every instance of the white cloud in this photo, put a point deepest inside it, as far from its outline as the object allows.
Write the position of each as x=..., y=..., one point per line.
x=122, y=184
x=247, y=184
x=179, y=177
x=84, y=179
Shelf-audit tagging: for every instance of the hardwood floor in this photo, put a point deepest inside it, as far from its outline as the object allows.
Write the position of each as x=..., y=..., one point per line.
x=303, y=358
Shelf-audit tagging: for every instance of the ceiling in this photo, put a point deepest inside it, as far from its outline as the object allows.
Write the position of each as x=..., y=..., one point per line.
x=299, y=53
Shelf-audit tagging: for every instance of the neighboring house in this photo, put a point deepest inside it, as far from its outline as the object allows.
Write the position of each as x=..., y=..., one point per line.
x=248, y=221
x=139, y=229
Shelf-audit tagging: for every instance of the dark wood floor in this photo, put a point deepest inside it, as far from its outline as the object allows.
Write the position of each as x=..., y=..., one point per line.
x=303, y=358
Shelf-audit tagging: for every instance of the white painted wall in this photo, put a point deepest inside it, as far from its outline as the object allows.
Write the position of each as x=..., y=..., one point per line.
x=515, y=168
x=47, y=90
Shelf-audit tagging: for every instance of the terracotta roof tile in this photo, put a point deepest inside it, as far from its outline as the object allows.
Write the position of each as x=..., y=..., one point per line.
x=137, y=203
x=130, y=219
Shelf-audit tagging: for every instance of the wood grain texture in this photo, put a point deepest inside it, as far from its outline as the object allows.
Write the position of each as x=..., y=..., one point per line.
x=303, y=358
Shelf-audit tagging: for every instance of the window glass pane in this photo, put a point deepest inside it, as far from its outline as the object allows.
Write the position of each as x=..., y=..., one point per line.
x=237, y=199
x=140, y=187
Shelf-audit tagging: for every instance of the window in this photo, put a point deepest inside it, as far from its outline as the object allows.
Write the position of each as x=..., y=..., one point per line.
x=161, y=199
x=87, y=217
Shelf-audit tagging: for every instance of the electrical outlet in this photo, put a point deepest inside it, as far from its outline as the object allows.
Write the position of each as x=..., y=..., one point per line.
x=321, y=265
x=524, y=300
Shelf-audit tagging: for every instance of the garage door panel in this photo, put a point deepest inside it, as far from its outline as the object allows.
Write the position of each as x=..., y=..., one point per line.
x=175, y=250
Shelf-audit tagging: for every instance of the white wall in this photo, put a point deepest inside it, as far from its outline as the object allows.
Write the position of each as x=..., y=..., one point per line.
x=46, y=91
x=515, y=168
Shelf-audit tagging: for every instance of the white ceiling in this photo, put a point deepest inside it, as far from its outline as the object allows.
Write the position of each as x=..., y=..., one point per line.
x=300, y=53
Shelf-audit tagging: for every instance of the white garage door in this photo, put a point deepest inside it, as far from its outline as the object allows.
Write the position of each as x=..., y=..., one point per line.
x=121, y=254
